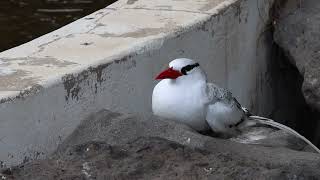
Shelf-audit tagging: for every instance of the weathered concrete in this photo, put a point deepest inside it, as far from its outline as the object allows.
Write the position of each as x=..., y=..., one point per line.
x=110, y=145
x=109, y=58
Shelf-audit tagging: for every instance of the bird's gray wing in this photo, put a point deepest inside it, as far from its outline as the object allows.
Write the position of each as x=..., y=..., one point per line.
x=216, y=93
x=224, y=112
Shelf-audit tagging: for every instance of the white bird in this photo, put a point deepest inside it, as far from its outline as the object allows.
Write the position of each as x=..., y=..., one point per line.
x=184, y=95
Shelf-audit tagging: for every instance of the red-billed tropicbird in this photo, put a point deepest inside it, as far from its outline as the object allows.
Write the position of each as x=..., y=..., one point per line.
x=184, y=95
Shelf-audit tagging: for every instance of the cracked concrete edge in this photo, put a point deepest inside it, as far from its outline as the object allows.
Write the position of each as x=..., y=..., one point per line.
x=49, y=84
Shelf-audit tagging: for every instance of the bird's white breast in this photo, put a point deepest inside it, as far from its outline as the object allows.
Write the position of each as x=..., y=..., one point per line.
x=220, y=115
x=182, y=102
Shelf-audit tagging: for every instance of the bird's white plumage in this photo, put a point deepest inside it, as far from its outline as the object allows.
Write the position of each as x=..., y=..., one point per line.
x=182, y=99
x=177, y=100
x=221, y=117
x=193, y=101
x=178, y=64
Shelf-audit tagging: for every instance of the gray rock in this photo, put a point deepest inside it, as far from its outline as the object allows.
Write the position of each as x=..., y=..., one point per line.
x=118, y=129
x=297, y=32
x=109, y=145
x=269, y=137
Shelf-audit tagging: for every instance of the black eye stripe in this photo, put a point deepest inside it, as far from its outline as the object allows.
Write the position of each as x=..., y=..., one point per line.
x=187, y=68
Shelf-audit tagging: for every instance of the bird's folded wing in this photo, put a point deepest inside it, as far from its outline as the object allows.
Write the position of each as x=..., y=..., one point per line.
x=224, y=111
x=216, y=93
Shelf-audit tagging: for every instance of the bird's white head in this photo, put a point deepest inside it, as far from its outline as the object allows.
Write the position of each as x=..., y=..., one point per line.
x=180, y=67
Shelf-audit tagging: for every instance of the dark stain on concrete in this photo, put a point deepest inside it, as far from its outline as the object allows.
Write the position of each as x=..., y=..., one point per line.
x=164, y=7
x=144, y=32
x=2, y=165
x=31, y=156
x=26, y=159
x=68, y=82
x=70, y=36
x=95, y=88
x=124, y=59
x=237, y=7
x=207, y=26
x=33, y=90
x=131, y=1
x=72, y=82
x=98, y=71
x=23, y=94
x=86, y=43
x=99, y=25
x=75, y=92
x=210, y=5
x=7, y=171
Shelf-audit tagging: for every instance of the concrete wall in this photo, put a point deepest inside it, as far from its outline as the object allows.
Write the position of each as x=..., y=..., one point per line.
x=109, y=60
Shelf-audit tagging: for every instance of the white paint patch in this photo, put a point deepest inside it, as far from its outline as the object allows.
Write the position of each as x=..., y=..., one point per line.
x=5, y=71
x=116, y=29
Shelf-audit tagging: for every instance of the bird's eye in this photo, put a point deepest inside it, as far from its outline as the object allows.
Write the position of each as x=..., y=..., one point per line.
x=187, y=68
x=184, y=71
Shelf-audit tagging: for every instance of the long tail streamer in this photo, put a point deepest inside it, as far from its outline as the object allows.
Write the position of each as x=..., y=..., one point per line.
x=272, y=123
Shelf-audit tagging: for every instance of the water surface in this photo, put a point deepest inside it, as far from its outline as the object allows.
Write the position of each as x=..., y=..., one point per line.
x=24, y=20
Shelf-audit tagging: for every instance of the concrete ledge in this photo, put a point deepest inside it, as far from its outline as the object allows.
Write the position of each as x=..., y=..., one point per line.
x=109, y=58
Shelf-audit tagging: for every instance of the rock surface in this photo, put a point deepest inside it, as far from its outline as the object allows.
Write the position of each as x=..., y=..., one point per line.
x=110, y=145
x=297, y=32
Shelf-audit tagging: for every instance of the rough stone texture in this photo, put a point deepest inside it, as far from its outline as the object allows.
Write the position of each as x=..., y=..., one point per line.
x=113, y=146
x=297, y=32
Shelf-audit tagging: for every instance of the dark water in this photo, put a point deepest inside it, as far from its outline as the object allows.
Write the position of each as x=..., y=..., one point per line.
x=24, y=20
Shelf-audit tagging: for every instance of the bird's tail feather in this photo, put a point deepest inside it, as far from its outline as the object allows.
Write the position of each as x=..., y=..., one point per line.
x=270, y=122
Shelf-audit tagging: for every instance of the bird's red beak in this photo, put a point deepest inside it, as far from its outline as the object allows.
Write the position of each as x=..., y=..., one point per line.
x=169, y=73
